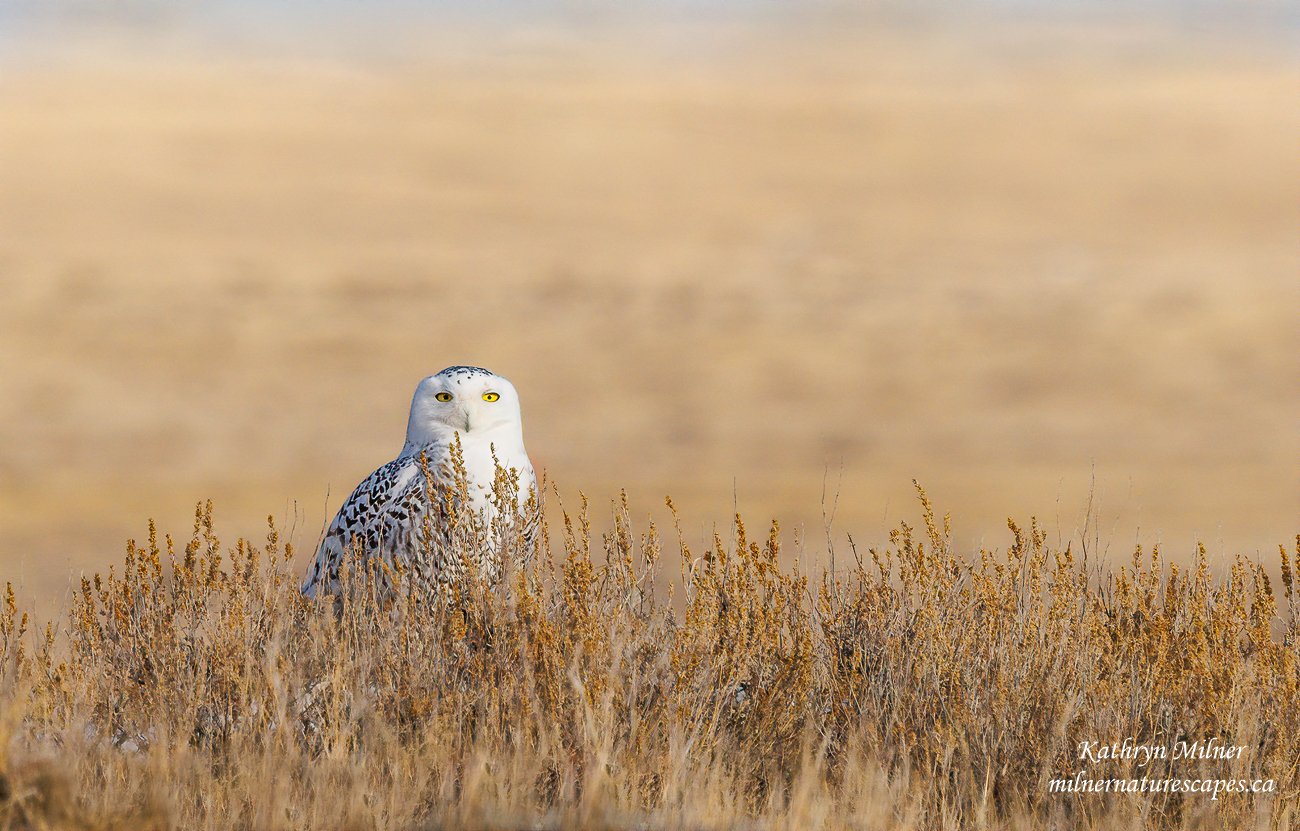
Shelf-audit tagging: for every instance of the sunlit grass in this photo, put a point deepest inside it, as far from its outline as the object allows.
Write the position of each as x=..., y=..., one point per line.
x=628, y=680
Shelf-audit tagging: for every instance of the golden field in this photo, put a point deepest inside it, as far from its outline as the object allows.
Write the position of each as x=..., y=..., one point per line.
x=634, y=681
x=1047, y=271
x=735, y=268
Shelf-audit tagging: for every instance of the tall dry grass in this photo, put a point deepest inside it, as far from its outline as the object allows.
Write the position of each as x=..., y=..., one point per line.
x=631, y=681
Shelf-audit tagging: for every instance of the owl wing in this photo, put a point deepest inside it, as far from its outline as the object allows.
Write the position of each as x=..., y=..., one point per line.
x=530, y=518
x=384, y=516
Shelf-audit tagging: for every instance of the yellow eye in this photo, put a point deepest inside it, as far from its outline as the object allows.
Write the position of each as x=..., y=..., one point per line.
x=491, y=396
x=443, y=396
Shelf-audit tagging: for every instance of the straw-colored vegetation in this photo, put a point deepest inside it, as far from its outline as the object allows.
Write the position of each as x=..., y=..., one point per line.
x=631, y=681
x=989, y=260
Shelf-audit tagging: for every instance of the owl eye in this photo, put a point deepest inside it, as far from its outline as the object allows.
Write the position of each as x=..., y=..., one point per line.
x=491, y=396
x=443, y=396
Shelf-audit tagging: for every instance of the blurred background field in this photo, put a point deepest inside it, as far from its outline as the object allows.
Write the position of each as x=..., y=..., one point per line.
x=743, y=259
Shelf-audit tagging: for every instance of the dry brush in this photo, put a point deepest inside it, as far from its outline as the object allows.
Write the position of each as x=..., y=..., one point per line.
x=623, y=681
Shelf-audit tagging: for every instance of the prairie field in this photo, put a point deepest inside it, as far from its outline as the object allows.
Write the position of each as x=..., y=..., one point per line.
x=1047, y=270
x=632, y=681
x=741, y=269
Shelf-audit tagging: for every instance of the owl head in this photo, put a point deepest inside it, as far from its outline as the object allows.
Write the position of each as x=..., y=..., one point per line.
x=469, y=400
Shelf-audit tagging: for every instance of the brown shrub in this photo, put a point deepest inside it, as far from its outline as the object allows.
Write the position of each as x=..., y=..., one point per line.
x=611, y=683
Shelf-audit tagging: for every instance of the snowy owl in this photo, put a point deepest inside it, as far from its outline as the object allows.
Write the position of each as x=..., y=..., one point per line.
x=401, y=515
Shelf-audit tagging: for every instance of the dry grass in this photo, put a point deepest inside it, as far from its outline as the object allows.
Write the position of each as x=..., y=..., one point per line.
x=991, y=260
x=631, y=681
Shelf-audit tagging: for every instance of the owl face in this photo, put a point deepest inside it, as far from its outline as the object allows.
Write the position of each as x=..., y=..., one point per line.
x=466, y=399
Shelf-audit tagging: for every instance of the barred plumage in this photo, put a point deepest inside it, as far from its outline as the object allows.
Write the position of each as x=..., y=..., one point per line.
x=464, y=450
